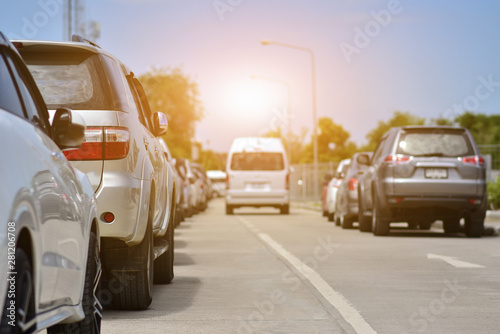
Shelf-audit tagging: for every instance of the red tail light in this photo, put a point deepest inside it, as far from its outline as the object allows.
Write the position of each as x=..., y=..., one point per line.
x=353, y=183
x=474, y=159
x=287, y=182
x=398, y=159
x=102, y=144
x=227, y=181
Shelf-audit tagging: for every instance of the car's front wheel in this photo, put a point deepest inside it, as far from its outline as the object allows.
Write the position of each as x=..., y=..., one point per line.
x=91, y=307
x=17, y=319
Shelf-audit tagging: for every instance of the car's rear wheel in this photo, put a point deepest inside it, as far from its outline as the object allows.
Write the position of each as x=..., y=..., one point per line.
x=365, y=222
x=474, y=226
x=330, y=216
x=285, y=209
x=451, y=225
x=336, y=218
x=91, y=307
x=229, y=209
x=23, y=311
x=346, y=222
x=325, y=213
x=134, y=292
x=380, y=224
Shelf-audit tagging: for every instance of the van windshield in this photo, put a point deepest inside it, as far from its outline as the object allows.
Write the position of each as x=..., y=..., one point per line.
x=257, y=161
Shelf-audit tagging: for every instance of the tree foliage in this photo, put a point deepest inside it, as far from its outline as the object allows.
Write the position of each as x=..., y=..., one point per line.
x=399, y=118
x=176, y=95
x=484, y=128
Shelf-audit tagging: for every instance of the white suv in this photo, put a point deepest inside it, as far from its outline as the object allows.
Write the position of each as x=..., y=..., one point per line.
x=122, y=157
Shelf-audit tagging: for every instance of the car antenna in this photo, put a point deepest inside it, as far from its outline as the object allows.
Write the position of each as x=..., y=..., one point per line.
x=78, y=38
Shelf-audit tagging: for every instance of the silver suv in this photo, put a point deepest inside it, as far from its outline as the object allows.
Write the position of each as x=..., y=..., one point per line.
x=420, y=174
x=122, y=157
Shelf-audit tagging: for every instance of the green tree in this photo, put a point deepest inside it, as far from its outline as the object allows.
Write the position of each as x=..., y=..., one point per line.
x=333, y=143
x=175, y=94
x=484, y=128
x=399, y=118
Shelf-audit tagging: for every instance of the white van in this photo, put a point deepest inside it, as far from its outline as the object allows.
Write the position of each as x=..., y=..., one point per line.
x=257, y=174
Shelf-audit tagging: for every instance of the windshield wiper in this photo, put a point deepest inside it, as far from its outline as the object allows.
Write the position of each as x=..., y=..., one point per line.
x=434, y=154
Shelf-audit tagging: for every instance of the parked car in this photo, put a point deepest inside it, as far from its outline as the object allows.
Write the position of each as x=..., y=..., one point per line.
x=326, y=179
x=218, y=179
x=182, y=167
x=175, y=188
x=204, y=185
x=122, y=157
x=420, y=174
x=333, y=187
x=49, y=245
x=346, y=204
x=258, y=174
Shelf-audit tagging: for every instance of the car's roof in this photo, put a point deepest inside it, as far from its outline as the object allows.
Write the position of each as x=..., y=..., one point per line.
x=426, y=127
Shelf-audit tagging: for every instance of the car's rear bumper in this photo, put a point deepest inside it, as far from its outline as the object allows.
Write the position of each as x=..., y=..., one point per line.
x=257, y=198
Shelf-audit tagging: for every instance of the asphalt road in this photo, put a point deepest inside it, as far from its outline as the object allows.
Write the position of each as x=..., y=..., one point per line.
x=261, y=272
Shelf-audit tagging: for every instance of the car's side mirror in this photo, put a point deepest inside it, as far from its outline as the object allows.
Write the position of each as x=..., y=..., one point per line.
x=160, y=123
x=69, y=129
x=363, y=159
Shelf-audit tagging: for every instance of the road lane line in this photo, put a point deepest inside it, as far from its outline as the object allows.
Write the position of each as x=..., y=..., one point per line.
x=454, y=262
x=335, y=298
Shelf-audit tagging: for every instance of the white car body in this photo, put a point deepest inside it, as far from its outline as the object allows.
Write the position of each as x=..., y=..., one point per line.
x=258, y=174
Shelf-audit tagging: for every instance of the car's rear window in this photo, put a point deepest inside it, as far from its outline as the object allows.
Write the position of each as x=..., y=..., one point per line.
x=444, y=143
x=70, y=80
x=257, y=161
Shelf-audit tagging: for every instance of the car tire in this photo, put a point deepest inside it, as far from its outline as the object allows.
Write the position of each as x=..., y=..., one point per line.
x=346, y=222
x=380, y=224
x=336, y=218
x=474, y=226
x=285, y=209
x=229, y=209
x=451, y=225
x=24, y=296
x=164, y=264
x=91, y=306
x=135, y=292
x=425, y=224
x=365, y=222
x=331, y=217
x=325, y=213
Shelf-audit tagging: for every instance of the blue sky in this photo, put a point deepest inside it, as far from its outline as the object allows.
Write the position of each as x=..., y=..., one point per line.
x=428, y=57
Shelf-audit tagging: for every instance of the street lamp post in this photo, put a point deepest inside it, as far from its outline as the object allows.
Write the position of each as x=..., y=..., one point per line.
x=315, y=123
x=289, y=108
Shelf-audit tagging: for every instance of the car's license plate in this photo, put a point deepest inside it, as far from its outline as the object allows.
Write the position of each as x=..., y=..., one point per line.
x=259, y=185
x=436, y=173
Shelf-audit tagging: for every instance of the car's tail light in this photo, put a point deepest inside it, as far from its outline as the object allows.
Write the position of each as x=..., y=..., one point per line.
x=353, y=184
x=398, y=159
x=102, y=144
x=227, y=181
x=474, y=159
x=287, y=182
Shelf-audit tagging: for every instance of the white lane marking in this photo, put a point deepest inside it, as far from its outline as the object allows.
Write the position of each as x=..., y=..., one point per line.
x=335, y=298
x=454, y=262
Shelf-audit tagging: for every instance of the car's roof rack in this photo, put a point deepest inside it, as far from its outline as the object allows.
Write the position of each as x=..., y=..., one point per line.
x=78, y=38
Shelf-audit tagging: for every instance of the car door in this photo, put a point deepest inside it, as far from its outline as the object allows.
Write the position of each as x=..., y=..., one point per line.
x=56, y=186
x=156, y=155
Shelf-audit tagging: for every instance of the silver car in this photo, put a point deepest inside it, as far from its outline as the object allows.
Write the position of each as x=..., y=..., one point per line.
x=49, y=237
x=420, y=174
x=122, y=157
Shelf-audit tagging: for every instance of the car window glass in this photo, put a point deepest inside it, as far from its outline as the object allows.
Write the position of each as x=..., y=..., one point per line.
x=73, y=80
x=32, y=101
x=9, y=98
x=124, y=99
x=257, y=161
x=445, y=144
x=147, y=114
x=379, y=150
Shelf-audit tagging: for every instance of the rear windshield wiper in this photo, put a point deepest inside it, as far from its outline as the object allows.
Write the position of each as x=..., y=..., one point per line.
x=435, y=154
